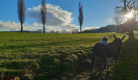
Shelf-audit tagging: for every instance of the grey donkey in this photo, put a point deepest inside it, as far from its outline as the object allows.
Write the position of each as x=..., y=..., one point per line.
x=105, y=52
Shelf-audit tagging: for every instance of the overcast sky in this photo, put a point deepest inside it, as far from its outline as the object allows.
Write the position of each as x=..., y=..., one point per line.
x=60, y=14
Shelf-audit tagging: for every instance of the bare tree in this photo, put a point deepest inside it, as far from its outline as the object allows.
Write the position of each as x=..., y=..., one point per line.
x=130, y=6
x=118, y=19
x=43, y=14
x=21, y=12
x=63, y=31
x=74, y=30
x=80, y=19
x=38, y=31
x=57, y=31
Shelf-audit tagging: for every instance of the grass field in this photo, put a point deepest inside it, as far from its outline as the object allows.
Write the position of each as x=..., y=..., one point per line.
x=38, y=56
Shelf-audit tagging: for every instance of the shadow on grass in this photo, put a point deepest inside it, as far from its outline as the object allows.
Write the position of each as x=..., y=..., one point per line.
x=129, y=46
x=67, y=66
x=125, y=62
x=63, y=66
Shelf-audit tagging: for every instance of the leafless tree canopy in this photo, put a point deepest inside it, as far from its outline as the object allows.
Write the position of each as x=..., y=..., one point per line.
x=129, y=6
x=21, y=12
x=74, y=31
x=118, y=19
x=43, y=14
x=80, y=15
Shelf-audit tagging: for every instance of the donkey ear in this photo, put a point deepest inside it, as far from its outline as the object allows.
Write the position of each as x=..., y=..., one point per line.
x=114, y=36
x=123, y=38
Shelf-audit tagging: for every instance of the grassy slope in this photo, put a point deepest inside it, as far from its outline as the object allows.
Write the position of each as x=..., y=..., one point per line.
x=61, y=56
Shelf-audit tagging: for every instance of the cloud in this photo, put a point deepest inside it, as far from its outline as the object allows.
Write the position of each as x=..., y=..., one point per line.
x=110, y=20
x=35, y=24
x=48, y=29
x=55, y=17
x=26, y=23
x=89, y=28
x=29, y=8
x=16, y=26
x=12, y=26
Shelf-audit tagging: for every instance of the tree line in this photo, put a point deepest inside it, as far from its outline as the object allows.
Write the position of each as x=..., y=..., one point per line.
x=21, y=13
x=130, y=6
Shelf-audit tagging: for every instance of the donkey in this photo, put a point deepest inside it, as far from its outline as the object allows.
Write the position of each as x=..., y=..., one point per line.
x=106, y=52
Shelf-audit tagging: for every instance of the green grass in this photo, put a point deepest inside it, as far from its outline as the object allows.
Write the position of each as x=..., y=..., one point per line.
x=38, y=56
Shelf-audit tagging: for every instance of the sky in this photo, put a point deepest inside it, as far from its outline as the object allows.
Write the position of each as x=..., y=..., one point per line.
x=61, y=14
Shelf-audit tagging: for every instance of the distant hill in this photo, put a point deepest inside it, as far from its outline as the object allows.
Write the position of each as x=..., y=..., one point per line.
x=108, y=28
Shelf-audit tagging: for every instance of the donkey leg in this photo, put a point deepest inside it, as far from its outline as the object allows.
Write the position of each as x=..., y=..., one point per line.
x=115, y=61
x=101, y=65
x=92, y=65
x=108, y=64
x=105, y=66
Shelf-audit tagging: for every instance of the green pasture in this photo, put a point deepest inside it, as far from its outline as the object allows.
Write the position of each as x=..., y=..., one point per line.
x=51, y=56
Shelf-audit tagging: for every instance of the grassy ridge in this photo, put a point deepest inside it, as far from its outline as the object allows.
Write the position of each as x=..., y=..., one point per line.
x=58, y=56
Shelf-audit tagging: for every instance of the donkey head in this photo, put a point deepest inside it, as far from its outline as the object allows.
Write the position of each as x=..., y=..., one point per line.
x=118, y=42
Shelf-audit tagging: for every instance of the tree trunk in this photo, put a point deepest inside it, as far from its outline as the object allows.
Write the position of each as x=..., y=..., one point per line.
x=130, y=27
x=117, y=28
x=43, y=28
x=131, y=31
x=21, y=27
x=80, y=29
